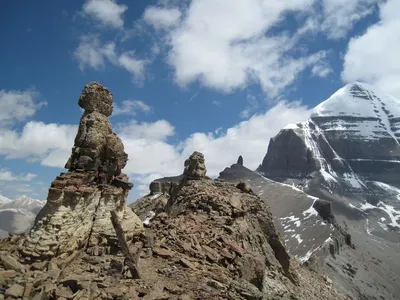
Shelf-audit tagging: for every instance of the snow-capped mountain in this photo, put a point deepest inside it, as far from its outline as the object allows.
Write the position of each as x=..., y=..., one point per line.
x=24, y=202
x=348, y=151
x=3, y=200
x=18, y=215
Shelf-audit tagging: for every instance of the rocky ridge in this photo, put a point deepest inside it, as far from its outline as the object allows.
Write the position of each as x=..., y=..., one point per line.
x=211, y=239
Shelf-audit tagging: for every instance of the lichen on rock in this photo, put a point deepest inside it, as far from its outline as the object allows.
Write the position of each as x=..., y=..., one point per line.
x=195, y=167
x=77, y=212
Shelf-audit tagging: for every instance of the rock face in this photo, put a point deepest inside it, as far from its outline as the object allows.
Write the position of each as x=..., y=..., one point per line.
x=240, y=160
x=195, y=167
x=347, y=152
x=350, y=147
x=77, y=213
x=164, y=185
x=211, y=240
x=97, y=147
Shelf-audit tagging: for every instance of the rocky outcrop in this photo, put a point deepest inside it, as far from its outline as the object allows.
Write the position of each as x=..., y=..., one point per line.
x=97, y=147
x=164, y=185
x=77, y=212
x=195, y=167
x=240, y=160
x=349, y=149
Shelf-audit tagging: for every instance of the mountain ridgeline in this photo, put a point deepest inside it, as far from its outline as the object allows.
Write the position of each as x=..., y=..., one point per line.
x=332, y=184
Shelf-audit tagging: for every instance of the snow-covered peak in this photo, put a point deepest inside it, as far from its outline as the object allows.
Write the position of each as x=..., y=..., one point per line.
x=23, y=202
x=357, y=100
x=4, y=200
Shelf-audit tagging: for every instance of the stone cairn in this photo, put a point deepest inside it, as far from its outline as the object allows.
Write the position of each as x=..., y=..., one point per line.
x=79, y=202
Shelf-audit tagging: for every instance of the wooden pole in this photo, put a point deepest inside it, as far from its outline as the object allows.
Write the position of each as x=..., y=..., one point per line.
x=129, y=257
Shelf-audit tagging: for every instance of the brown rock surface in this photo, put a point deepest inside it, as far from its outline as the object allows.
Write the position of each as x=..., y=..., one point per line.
x=77, y=213
x=97, y=147
x=195, y=167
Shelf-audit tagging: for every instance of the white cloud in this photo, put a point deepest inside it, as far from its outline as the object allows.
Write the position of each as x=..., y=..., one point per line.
x=91, y=52
x=49, y=143
x=151, y=156
x=108, y=12
x=133, y=65
x=159, y=130
x=6, y=175
x=374, y=56
x=249, y=138
x=321, y=69
x=339, y=16
x=151, y=153
x=226, y=45
x=162, y=18
x=17, y=105
x=130, y=107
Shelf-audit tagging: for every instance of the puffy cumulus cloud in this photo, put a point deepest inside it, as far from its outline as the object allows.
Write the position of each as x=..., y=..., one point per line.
x=108, y=12
x=161, y=18
x=159, y=130
x=6, y=175
x=18, y=105
x=339, y=16
x=151, y=156
x=130, y=107
x=224, y=45
x=92, y=53
x=373, y=56
x=48, y=143
x=248, y=138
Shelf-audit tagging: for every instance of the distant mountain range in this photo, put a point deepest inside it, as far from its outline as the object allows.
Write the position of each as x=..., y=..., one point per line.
x=18, y=215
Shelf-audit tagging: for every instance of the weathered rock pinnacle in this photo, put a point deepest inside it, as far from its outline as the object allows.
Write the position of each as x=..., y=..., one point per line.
x=79, y=202
x=97, y=147
x=240, y=160
x=195, y=167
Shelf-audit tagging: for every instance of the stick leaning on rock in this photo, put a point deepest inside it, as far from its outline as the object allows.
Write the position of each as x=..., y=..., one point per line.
x=131, y=259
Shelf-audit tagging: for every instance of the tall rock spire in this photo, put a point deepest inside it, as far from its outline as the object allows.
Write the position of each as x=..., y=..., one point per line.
x=77, y=212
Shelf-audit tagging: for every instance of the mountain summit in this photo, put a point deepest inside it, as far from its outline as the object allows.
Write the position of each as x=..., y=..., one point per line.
x=349, y=147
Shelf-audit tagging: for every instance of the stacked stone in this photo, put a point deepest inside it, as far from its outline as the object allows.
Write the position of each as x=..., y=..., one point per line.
x=77, y=212
x=195, y=167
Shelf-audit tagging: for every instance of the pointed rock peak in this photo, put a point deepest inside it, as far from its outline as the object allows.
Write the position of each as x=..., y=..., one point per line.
x=240, y=160
x=195, y=167
x=95, y=97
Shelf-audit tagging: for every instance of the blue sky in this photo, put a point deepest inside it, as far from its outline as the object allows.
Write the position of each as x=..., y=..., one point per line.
x=218, y=76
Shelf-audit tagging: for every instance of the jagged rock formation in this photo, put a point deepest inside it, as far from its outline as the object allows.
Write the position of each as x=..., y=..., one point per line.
x=211, y=240
x=77, y=213
x=240, y=160
x=164, y=185
x=97, y=147
x=195, y=167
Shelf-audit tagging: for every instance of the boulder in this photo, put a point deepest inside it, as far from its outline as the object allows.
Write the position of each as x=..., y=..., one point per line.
x=195, y=167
